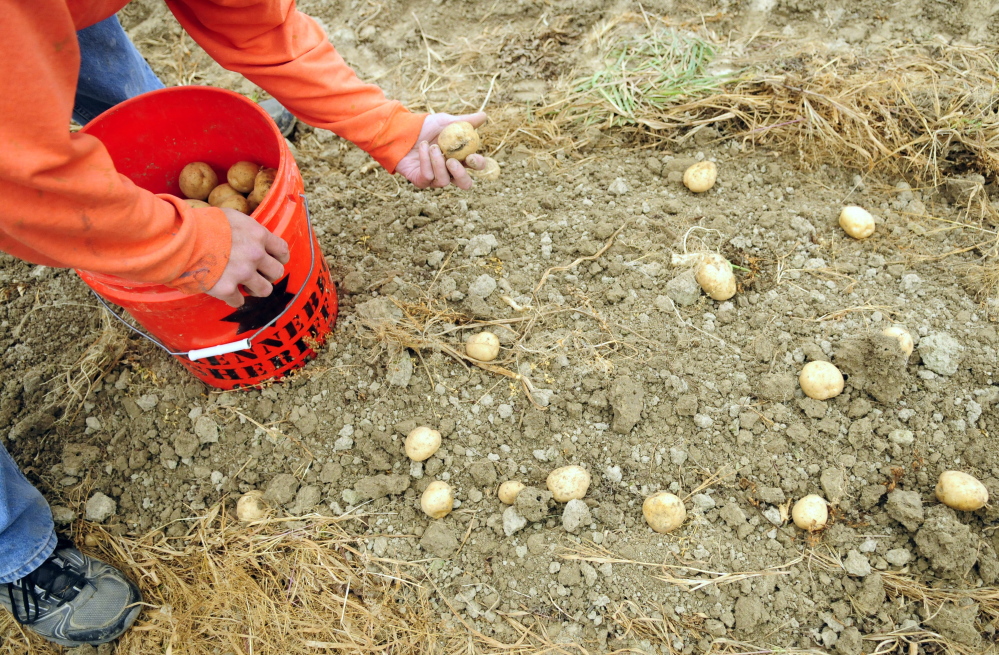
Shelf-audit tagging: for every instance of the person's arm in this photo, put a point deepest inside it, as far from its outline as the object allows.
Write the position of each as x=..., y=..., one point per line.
x=64, y=204
x=287, y=53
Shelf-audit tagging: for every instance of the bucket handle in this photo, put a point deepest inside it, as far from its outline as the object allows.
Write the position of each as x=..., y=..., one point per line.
x=234, y=346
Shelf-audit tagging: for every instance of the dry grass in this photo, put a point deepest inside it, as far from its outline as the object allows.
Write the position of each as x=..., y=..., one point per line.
x=290, y=586
x=77, y=379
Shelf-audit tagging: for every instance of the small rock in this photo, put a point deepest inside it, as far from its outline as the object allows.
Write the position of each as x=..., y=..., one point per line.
x=512, y=521
x=482, y=286
x=99, y=508
x=703, y=502
x=683, y=290
x=871, y=595
x=947, y=543
x=902, y=437
x=677, y=455
x=399, y=371
x=772, y=514
x=147, y=401
x=281, y=489
x=479, y=246
x=439, y=540
x=62, y=514
x=206, y=429
x=377, y=486
x=906, y=507
x=627, y=398
x=532, y=503
x=613, y=474
x=898, y=556
x=618, y=187
x=850, y=642
x=575, y=515
x=748, y=613
x=306, y=499
x=856, y=564
x=771, y=495
x=940, y=353
x=833, y=481
x=957, y=623
x=483, y=473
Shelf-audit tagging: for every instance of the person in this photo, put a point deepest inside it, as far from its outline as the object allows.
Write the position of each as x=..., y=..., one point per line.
x=65, y=205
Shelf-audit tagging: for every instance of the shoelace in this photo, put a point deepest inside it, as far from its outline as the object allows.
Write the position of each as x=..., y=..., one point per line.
x=54, y=580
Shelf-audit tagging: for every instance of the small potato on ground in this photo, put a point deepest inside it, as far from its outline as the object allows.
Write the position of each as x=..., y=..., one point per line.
x=508, y=491
x=904, y=338
x=459, y=140
x=664, y=512
x=437, y=500
x=821, y=380
x=251, y=506
x=958, y=490
x=483, y=346
x=422, y=443
x=241, y=176
x=197, y=180
x=810, y=513
x=715, y=276
x=568, y=483
x=857, y=222
x=701, y=176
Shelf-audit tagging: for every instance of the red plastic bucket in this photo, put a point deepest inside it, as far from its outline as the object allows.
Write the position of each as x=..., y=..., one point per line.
x=150, y=139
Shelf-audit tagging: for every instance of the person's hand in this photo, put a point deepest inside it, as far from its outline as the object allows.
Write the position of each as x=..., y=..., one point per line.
x=257, y=259
x=425, y=166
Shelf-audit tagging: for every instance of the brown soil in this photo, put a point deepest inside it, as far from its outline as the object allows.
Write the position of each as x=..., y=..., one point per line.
x=648, y=385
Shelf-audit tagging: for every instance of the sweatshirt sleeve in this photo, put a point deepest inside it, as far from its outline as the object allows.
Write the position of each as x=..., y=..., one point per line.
x=287, y=53
x=64, y=204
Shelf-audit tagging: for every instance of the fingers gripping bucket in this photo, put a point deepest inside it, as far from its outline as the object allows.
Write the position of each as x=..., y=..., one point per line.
x=150, y=139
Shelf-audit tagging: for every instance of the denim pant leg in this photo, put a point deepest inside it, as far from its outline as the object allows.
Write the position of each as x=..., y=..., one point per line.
x=111, y=70
x=27, y=534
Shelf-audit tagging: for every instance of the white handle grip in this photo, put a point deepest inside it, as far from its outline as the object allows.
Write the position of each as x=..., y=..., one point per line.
x=224, y=349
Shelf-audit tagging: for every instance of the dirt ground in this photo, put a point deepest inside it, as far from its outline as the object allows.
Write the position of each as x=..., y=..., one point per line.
x=637, y=376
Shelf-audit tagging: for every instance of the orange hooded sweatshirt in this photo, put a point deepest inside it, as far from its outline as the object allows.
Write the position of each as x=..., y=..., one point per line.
x=63, y=203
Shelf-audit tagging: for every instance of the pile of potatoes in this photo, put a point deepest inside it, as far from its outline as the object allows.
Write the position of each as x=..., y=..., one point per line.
x=246, y=186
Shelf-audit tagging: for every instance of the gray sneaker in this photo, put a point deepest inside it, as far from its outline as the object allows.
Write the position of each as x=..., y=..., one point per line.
x=72, y=599
x=285, y=120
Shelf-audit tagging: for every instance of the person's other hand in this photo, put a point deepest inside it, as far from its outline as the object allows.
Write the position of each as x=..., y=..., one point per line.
x=425, y=166
x=257, y=259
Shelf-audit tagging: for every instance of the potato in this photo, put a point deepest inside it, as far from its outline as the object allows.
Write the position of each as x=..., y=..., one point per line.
x=242, y=175
x=701, y=176
x=489, y=172
x=961, y=491
x=568, y=483
x=264, y=179
x=197, y=180
x=197, y=204
x=422, y=443
x=857, y=222
x=904, y=338
x=715, y=276
x=237, y=202
x=437, y=500
x=664, y=512
x=821, y=380
x=810, y=513
x=220, y=193
x=508, y=491
x=483, y=346
x=251, y=506
x=459, y=140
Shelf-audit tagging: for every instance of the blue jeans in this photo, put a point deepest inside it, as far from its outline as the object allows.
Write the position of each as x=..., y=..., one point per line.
x=111, y=71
